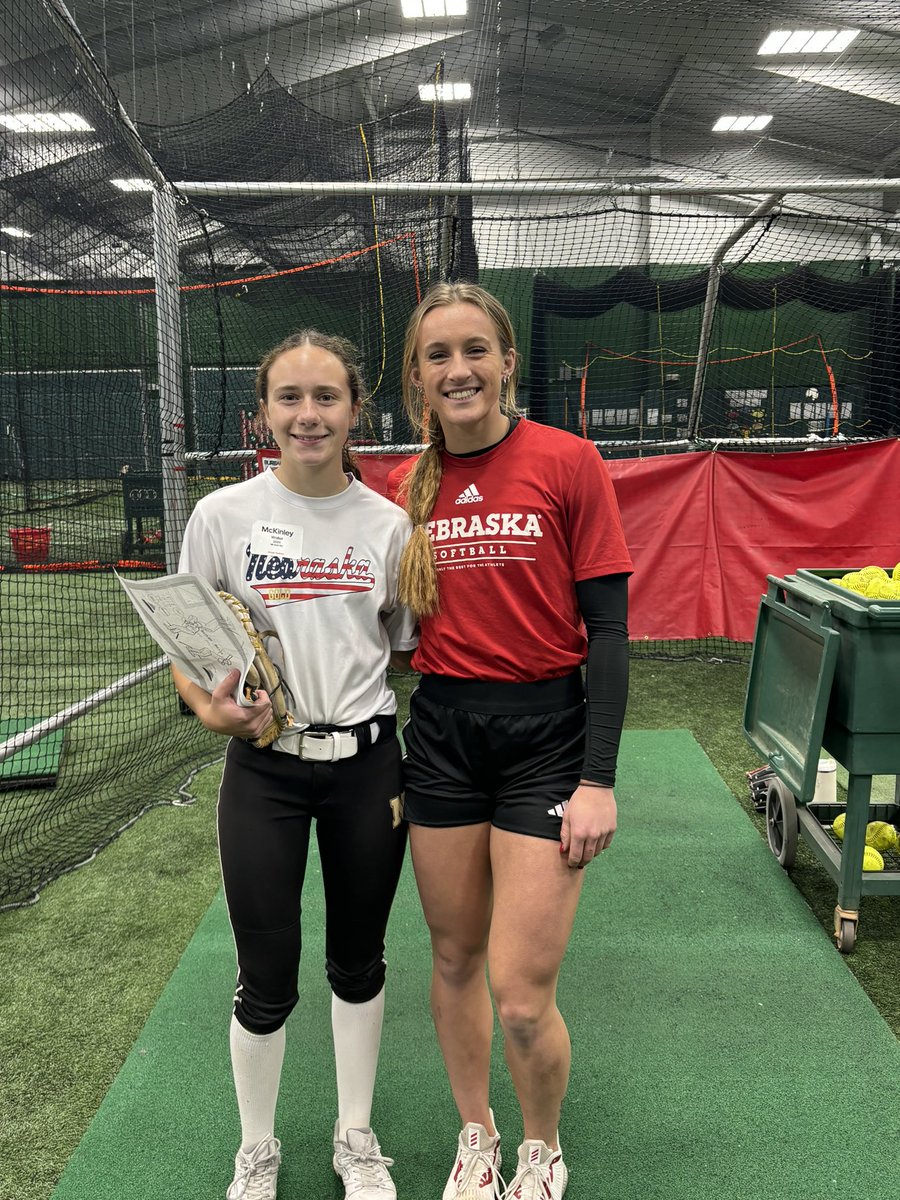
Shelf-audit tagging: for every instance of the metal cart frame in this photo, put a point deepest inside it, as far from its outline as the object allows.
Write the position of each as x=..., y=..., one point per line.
x=815, y=650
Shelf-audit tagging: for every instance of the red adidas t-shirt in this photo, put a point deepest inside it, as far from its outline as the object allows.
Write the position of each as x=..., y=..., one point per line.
x=513, y=530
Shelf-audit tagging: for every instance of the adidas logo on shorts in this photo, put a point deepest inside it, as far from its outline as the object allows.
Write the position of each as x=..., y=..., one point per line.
x=471, y=495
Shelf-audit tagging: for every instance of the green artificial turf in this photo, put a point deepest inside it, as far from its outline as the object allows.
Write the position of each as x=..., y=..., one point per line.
x=78, y=993
x=84, y=966
x=708, y=699
x=696, y=1055
x=36, y=765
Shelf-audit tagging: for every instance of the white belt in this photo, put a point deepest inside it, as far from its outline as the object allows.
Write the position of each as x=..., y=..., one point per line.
x=328, y=747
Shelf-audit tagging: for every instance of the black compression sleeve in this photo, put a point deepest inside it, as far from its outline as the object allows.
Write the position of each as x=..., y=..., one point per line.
x=604, y=607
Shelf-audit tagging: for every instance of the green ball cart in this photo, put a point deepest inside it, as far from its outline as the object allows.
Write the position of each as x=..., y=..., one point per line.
x=825, y=673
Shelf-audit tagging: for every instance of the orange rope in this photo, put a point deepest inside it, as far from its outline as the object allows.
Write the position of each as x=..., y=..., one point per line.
x=92, y=564
x=832, y=383
x=197, y=287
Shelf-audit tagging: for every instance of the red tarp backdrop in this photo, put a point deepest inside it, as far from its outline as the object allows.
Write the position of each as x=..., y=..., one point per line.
x=706, y=528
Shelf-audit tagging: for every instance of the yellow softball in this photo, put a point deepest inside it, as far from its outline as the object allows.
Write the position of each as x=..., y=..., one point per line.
x=881, y=836
x=872, y=860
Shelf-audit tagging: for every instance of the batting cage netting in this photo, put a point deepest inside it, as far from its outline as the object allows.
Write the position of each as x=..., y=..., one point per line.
x=183, y=185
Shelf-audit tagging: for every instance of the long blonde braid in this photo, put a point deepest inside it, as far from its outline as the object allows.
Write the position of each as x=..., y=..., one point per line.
x=418, y=584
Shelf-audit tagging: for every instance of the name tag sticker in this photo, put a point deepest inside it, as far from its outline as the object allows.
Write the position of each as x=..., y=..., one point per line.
x=269, y=537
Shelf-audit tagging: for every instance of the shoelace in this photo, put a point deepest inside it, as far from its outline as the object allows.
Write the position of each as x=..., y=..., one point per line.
x=481, y=1159
x=532, y=1173
x=369, y=1166
x=250, y=1168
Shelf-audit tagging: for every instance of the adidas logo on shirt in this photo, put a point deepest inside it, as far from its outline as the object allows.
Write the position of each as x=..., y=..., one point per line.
x=471, y=495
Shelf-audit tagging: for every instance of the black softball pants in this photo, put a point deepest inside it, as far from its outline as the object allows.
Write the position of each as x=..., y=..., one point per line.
x=267, y=802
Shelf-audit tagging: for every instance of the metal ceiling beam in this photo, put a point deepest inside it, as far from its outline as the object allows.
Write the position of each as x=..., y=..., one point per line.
x=137, y=44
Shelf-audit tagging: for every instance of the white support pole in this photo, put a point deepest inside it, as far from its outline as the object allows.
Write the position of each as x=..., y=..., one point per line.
x=536, y=187
x=28, y=737
x=709, y=308
x=169, y=358
x=200, y=456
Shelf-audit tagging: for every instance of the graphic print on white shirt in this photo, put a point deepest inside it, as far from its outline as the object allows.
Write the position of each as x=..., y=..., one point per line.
x=333, y=653
x=279, y=579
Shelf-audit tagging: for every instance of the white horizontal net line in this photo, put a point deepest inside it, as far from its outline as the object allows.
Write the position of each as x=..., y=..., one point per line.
x=811, y=439
x=27, y=737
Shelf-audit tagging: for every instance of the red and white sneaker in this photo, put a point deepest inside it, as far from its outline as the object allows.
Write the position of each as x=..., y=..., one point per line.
x=540, y=1175
x=476, y=1172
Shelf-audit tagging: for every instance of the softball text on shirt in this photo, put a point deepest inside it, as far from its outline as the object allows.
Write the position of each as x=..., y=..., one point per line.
x=493, y=537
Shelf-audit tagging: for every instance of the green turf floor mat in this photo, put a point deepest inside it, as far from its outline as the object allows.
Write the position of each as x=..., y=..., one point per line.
x=36, y=765
x=722, y=1049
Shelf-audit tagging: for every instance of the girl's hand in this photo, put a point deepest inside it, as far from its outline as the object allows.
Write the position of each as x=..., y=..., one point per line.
x=588, y=824
x=223, y=714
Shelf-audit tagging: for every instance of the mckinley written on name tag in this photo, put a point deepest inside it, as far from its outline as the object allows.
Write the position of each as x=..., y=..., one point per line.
x=269, y=537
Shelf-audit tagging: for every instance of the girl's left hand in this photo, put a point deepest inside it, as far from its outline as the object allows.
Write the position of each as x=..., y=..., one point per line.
x=588, y=824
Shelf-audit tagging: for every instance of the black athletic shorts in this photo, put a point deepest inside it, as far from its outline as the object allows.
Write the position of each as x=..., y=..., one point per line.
x=508, y=753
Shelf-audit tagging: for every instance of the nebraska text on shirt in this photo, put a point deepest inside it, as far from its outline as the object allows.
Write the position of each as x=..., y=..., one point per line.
x=504, y=525
x=274, y=566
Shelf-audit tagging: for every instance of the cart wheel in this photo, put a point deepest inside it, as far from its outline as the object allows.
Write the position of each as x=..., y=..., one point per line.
x=782, y=825
x=846, y=935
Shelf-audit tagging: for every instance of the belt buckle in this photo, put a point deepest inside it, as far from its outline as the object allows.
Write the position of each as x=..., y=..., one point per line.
x=326, y=747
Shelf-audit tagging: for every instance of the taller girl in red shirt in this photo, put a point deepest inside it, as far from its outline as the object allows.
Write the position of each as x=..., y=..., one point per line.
x=518, y=571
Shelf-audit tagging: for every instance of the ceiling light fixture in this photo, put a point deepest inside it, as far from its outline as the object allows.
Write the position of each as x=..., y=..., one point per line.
x=741, y=124
x=445, y=92
x=132, y=185
x=14, y=231
x=45, y=123
x=420, y=9
x=808, y=41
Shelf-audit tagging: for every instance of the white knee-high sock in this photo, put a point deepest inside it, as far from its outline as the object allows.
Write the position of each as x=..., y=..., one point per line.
x=357, y=1036
x=256, y=1060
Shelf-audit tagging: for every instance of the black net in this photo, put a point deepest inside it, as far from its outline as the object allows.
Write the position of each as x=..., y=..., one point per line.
x=793, y=355
x=101, y=399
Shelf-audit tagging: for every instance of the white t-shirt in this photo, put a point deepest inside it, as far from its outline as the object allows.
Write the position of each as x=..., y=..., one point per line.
x=322, y=573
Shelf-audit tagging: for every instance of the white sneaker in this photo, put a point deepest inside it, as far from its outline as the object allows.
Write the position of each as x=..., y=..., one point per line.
x=540, y=1175
x=256, y=1172
x=362, y=1166
x=476, y=1172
